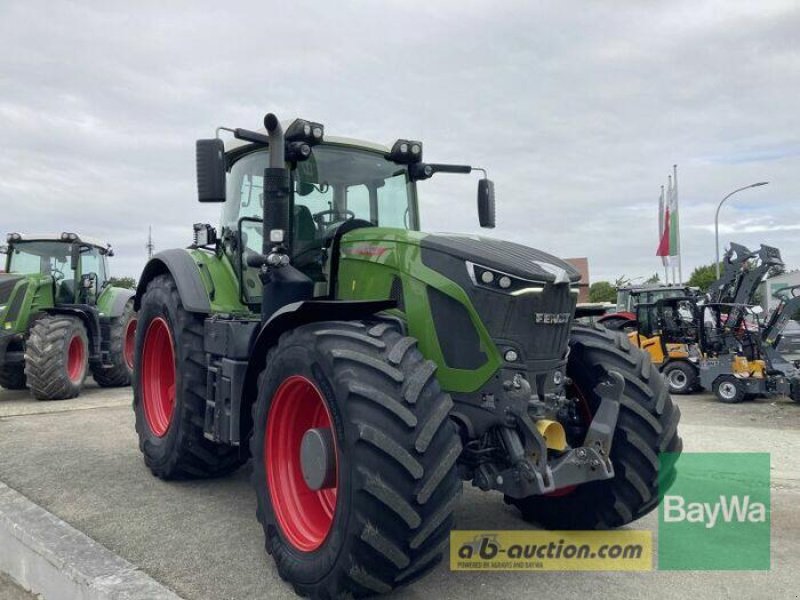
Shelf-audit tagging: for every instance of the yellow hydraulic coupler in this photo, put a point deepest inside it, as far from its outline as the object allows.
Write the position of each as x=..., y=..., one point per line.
x=553, y=433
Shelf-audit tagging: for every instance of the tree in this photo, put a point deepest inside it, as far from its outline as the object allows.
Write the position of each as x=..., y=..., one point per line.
x=602, y=291
x=702, y=277
x=123, y=282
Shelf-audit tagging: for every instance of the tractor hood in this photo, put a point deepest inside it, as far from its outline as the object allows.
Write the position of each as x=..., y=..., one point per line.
x=508, y=257
x=378, y=244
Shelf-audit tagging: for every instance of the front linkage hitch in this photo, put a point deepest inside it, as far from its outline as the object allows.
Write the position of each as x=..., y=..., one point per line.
x=530, y=472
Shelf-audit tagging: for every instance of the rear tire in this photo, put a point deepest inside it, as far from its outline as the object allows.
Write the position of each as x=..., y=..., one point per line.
x=729, y=389
x=396, y=483
x=682, y=377
x=169, y=389
x=121, y=346
x=13, y=377
x=56, y=357
x=647, y=425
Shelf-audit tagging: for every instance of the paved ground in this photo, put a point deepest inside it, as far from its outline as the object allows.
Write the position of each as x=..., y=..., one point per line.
x=11, y=591
x=79, y=459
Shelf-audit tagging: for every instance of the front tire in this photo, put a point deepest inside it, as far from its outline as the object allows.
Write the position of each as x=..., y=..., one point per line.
x=681, y=377
x=729, y=390
x=385, y=516
x=13, y=377
x=646, y=426
x=56, y=357
x=122, y=342
x=169, y=389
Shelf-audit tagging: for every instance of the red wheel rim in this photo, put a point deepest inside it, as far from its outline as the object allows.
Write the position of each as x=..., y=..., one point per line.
x=76, y=359
x=129, y=343
x=304, y=515
x=158, y=376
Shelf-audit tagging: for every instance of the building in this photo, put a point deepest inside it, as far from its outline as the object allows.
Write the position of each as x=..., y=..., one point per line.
x=773, y=284
x=582, y=265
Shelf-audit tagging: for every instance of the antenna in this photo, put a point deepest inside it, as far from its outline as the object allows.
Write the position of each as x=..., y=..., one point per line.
x=150, y=246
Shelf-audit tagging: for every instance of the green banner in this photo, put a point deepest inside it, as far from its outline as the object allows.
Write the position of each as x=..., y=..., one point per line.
x=716, y=514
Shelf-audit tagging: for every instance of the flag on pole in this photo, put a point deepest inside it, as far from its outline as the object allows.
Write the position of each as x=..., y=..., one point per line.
x=674, y=238
x=663, y=228
x=674, y=229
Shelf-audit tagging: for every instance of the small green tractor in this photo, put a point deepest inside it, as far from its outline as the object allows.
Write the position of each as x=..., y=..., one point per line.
x=60, y=318
x=368, y=368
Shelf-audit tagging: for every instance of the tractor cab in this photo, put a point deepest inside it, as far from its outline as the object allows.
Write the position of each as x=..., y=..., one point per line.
x=341, y=184
x=668, y=328
x=629, y=297
x=77, y=266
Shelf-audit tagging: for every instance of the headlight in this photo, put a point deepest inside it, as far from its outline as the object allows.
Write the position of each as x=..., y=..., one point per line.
x=498, y=281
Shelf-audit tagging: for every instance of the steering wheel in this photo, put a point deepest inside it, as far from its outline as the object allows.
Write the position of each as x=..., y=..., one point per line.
x=57, y=273
x=319, y=217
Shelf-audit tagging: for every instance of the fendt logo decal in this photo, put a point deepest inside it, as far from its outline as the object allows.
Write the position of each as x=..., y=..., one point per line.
x=551, y=318
x=367, y=250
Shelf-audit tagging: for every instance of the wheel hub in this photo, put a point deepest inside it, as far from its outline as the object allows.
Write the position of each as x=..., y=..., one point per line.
x=129, y=343
x=317, y=458
x=158, y=376
x=727, y=390
x=76, y=357
x=677, y=379
x=300, y=463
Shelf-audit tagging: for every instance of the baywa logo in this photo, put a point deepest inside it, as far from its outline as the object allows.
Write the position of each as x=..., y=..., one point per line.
x=716, y=513
x=729, y=509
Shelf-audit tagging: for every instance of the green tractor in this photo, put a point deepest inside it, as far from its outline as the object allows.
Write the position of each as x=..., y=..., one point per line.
x=368, y=368
x=60, y=318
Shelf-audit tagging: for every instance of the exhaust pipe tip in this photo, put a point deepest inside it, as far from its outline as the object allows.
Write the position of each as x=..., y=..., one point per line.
x=271, y=122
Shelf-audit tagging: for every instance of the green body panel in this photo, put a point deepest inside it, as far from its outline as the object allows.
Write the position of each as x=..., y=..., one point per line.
x=372, y=257
x=38, y=295
x=221, y=282
x=106, y=299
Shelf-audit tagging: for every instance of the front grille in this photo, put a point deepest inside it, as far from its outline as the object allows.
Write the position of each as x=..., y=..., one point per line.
x=539, y=323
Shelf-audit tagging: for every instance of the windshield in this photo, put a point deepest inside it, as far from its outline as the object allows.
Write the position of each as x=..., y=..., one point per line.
x=48, y=258
x=334, y=185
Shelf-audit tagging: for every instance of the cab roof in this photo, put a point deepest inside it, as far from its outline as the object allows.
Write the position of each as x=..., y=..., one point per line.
x=56, y=237
x=233, y=143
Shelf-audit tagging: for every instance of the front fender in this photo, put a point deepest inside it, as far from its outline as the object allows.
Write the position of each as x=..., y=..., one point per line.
x=184, y=271
x=289, y=317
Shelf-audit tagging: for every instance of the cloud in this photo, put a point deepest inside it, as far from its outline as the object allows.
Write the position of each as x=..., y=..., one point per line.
x=577, y=113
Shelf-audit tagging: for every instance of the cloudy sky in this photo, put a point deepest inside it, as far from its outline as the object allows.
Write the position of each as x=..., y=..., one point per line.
x=577, y=109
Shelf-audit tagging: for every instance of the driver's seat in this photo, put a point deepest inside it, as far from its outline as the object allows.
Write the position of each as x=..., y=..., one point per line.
x=306, y=246
x=66, y=292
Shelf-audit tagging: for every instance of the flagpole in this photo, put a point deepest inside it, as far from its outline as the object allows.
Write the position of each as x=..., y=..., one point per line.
x=661, y=207
x=677, y=225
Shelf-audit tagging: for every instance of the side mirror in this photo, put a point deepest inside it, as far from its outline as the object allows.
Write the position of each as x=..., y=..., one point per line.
x=75, y=257
x=88, y=281
x=486, y=213
x=210, y=170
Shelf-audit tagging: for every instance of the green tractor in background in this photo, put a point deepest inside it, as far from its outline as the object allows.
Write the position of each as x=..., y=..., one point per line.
x=368, y=368
x=60, y=318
